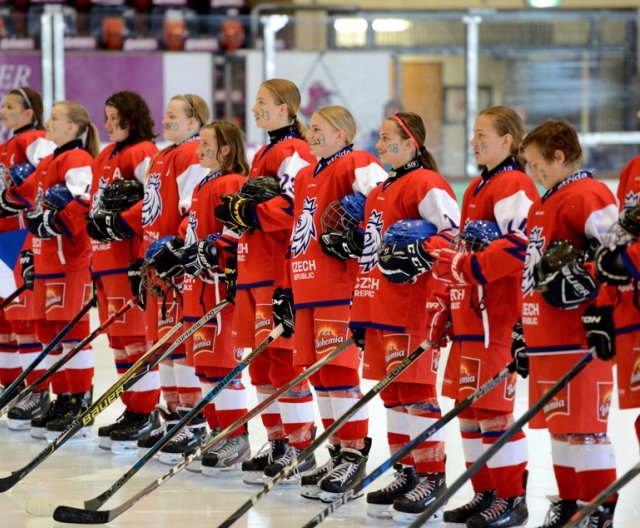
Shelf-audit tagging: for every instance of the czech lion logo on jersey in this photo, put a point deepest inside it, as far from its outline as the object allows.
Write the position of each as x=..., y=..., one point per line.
x=533, y=256
x=305, y=229
x=97, y=197
x=191, y=236
x=152, y=201
x=372, y=241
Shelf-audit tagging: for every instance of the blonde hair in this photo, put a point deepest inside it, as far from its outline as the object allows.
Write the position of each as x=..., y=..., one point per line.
x=507, y=121
x=287, y=93
x=229, y=135
x=78, y=114
x=340, y=119
x=194, y=106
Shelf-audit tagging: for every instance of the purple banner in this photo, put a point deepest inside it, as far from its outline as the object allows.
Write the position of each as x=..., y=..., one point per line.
x=90, y=79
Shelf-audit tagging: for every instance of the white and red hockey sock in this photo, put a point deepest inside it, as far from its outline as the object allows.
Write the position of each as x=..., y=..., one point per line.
x=508, y=465
x=144, y=394
x=398, y=431
x=271, y=415
x=428, y=455
x=595, y=463
x=79, y=369
x=563, y=467
x=325, y=409
x=169, y=385
x=355, y=429
x=30, y=348
x=231, y=404
x=59, y=383
x=122, y=365
x=473, y=449
x=10, y=365
x=296, y=410
x=188, y=384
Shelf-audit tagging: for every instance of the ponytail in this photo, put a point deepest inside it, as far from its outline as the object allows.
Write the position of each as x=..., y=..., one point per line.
x=92, y=141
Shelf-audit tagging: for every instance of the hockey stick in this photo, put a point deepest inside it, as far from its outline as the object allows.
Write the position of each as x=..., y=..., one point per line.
x=285, y=471
x=98, y=501
x=593, y=504
x=504, y=438
x=129, y=378
x=7, y=395
x=428, y=432
x=80, y=516
x=67, y=357
x=8, y=300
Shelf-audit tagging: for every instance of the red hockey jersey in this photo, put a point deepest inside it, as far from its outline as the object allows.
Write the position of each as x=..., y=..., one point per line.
x=579, y=209
x=70, y=165
x=485, y=313
x=199, y=296
x=173, y=174
x=412, y=192
x=318, y=279
x=113, y=163
x=261, y=253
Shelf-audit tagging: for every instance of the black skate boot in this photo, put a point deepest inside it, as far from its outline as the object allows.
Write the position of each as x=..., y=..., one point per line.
x=224, y=459
x=186, y=440
x=291, y=454
x=310, y=479
x=124, y=437
x=196, y=465
x=104, y=432
x=503, y=513
x=254, y=467
x=56, y=409
x=481, y=501
x=408, y=507
x=602, y=518
x=379, y=502
x=167, y=420
x=353, y=463
x=78, y=403
x=33, y=405
x=560, y=511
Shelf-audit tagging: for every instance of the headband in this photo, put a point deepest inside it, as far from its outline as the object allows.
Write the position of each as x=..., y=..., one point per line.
x=25, y=97
x=193, y=108
x=406, y=130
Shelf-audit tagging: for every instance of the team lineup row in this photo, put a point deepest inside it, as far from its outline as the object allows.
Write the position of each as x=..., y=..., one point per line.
x=324, y=264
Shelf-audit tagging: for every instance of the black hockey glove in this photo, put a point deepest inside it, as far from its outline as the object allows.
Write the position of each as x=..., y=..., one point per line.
x=402, y=263
x=230, y=278
x=598, y=325
x=237, y=213
x=43, y=225
x=198, y=257
x=107, y=226
x=358, y=335
x=610, y=268
x=519, y=350
x=166, y=261
x=136, y=283
x=342, y=245
x=26, y=268
x=283, y=312
x=9, y=207
x=567, y=287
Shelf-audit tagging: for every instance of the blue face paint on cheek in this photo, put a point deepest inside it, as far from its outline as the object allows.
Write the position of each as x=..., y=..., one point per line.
x=394, y=148
x=172, y=126
x=484, y=147
x=208, y=154
x=322, y=140
x=264, y=114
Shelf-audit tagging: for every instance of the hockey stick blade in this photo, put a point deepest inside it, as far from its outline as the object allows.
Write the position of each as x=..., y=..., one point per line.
x=9, y=482
x=69, y=514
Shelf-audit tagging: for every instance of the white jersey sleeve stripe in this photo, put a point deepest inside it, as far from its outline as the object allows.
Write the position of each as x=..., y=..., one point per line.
x=511, y=213
x=366, y=178
x=38, y=150
x=140, y=172
x=78, y=181
x=601, y=222
x=187, y=181
x=439, y=208
x=287, y=172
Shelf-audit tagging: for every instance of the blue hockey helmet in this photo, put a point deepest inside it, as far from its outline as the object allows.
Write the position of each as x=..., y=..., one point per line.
x=477, y=235
x=20, y=171
x=344, y=214
x=407, y=231
x=57, y=197
x=162, y=265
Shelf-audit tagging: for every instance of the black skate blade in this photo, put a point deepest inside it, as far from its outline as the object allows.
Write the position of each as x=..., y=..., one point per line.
x=69, y=514
x=9, y=482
